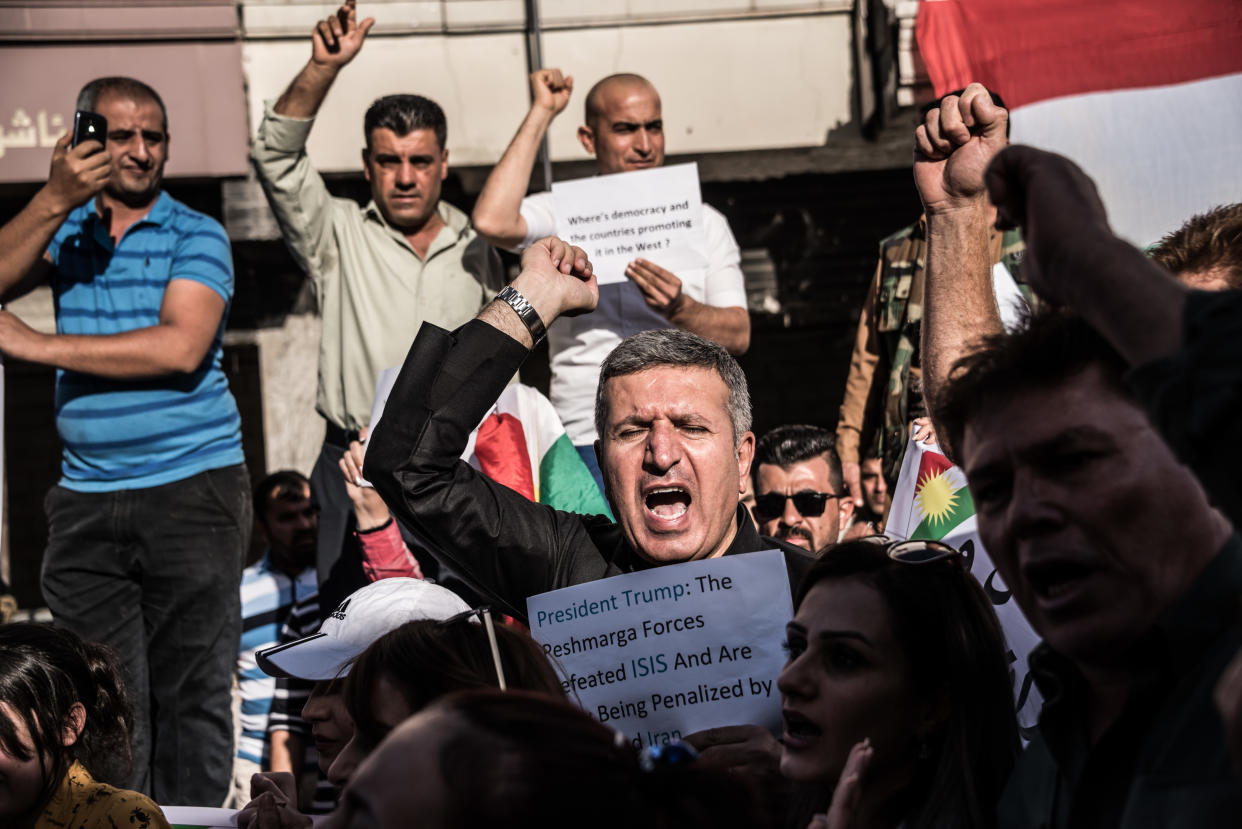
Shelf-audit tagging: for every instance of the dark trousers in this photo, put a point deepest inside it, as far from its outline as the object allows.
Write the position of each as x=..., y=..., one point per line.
x=339, y=561
x=155, y=573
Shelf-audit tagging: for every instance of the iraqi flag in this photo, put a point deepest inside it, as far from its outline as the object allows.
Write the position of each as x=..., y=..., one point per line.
x=522, y=444
x=932, y=501
x=1145, y=95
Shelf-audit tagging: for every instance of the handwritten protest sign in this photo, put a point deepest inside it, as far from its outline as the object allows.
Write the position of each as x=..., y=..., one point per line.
x=666, y=652
x=655, y=214
x=932, y=501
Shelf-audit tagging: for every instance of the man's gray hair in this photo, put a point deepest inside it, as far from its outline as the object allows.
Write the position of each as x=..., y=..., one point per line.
x=674, y=347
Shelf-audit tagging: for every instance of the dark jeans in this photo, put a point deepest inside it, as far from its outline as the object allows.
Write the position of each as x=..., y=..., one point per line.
x=339, y=561
x=155, y=573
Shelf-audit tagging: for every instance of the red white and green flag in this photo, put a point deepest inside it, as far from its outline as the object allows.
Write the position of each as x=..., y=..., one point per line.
x=938, y=502
x=522, y=444
x=1138, y=92
x=932, y=501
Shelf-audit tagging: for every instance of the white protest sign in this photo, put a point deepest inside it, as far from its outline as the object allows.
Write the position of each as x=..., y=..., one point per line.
x=655, y=214
x=199, y=817
x=932, y=501
x=662, y=653
x=206, y=817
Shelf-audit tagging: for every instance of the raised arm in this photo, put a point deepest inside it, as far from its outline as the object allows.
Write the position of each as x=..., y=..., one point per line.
x=77, y=175
x=952, y=150
x=497, y=214
x=507, y=546
x=335, y=41
x=1074, y=258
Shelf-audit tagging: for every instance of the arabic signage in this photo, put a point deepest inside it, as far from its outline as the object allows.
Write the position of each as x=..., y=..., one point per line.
x=201, y=84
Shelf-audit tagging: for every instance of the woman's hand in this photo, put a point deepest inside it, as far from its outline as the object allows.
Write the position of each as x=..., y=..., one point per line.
x=843, y=811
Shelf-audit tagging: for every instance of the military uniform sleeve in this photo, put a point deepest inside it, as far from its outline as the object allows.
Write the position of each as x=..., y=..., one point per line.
x=507, y=546
x=1194, y=396
x=861, y=375
x=295, y=191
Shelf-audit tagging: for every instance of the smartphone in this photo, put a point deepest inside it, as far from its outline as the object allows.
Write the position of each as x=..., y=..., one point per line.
x=89, y=126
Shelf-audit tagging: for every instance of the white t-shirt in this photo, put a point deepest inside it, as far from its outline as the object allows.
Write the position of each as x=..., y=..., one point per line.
x=578, y=345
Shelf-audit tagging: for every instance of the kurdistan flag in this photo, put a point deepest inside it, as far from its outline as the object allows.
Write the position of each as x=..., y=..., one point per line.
x=522, y=444
x=931, y=501
x=941, y=498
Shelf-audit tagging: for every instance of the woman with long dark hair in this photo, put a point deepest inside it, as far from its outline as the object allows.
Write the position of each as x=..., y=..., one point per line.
x=64, y=735
x=896, y=696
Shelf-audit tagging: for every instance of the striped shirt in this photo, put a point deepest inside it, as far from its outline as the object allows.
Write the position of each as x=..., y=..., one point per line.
x=134, y=434
x=291, y=695
x=267, y=598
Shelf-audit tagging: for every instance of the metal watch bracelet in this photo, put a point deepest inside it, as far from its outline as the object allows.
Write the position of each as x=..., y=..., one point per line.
x=525, y=311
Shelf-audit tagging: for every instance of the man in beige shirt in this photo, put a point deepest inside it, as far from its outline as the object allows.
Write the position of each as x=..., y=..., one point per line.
x=378, y=271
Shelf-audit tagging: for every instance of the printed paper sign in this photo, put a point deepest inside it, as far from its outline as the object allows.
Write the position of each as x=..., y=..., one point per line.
x=199, y=817
x=202, y=817
x=932, y=501
x=663, y=653
x=654, y=214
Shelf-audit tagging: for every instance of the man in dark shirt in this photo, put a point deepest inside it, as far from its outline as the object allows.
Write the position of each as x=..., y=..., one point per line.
x=1109, y=543
x=675, y=447
x=673, y=414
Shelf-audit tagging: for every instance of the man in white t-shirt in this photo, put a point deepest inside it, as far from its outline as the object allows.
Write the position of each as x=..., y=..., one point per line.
x=624, y=130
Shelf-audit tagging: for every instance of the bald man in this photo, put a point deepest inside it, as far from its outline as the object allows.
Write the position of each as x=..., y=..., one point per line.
x=624, y=130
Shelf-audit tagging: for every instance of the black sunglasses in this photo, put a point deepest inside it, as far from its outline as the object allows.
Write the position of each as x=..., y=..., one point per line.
x=916, y=550
x=808, y=503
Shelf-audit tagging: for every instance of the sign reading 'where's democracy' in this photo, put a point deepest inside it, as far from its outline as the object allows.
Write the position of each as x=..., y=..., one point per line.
x=655, y=214
x=666, y=652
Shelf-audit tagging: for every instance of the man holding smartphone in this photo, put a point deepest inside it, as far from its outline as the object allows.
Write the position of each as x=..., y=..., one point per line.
x=149, y=522
x=378, y=271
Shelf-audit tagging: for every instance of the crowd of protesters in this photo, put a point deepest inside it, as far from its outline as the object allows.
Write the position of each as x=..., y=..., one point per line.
x=355, y=671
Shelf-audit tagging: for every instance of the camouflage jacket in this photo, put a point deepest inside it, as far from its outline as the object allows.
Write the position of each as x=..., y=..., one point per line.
x=883, y=391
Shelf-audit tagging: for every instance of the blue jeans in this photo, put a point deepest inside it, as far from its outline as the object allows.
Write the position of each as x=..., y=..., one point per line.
x=155, y=573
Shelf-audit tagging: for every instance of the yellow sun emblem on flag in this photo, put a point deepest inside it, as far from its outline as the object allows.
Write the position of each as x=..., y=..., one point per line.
x=936, y=499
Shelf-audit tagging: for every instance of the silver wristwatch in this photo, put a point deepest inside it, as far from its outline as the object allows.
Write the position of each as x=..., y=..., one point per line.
x=526, y=312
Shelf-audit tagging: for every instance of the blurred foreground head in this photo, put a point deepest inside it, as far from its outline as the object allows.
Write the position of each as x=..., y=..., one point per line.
x=490, y=758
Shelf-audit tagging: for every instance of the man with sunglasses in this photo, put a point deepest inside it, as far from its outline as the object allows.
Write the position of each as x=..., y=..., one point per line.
x=798, y=487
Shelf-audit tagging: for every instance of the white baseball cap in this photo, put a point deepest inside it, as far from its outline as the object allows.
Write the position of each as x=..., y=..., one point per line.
x=364, y=616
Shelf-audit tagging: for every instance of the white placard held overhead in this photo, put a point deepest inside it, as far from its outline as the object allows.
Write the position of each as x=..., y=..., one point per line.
x=662, y=653
x=652, y=214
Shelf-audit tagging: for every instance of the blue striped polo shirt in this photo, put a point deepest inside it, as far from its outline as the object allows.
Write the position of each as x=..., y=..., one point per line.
x=133, y=434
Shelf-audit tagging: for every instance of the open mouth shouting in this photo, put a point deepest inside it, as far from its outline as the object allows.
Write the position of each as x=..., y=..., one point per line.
x=800, y=732
x=1057, y=580
x=666, y=505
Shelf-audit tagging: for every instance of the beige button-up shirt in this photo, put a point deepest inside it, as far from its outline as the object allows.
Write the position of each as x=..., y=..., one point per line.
x=372, y=288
